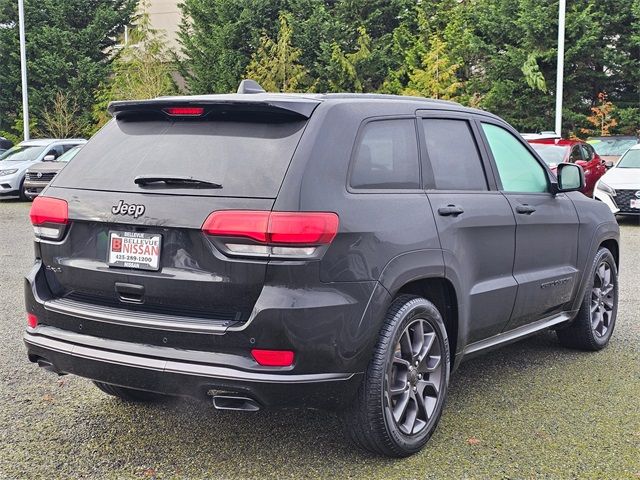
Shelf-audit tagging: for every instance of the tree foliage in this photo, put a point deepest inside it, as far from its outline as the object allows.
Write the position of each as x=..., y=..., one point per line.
x=275, y=63
x=141, y=69
x=69, y=43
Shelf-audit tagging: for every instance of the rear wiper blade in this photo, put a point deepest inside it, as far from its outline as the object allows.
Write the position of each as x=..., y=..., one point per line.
x=174, y=180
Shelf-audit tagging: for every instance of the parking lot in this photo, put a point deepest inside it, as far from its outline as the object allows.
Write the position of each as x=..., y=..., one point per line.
x=530, y=410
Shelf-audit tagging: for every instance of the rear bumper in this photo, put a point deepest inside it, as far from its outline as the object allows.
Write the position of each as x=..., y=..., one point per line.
x=332, y=339
x=165, y=371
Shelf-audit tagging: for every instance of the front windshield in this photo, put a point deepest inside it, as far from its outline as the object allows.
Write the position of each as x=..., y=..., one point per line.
x=551, y=154
x=631, y=159
x=22, y=153
x=65, y=157
x=612, y=146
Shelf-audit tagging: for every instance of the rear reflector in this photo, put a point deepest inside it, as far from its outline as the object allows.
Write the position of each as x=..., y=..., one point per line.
x=273, y=358
x=185, y=111
x=32, y=320
x=297, y=228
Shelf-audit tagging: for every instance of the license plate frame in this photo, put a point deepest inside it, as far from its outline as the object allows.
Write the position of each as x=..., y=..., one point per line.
x=134, y=250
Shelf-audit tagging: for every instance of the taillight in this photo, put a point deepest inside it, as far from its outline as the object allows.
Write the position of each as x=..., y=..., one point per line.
x=184, y=111
x=273, y=358
x=49, y=216
x=278, y=234
x=32, y=320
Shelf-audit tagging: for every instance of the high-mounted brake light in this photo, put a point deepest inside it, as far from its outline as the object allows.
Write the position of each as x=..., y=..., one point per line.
x=273, y=358
x=49, y=216
x=184, y=111
x=281, y=234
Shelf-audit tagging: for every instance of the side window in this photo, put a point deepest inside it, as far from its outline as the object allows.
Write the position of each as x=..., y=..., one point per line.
x=587, y=152
x=387, y=156
x=56, y=151
x=518, y=169
x=453, y=155
x=68, y=147
x=576, y=154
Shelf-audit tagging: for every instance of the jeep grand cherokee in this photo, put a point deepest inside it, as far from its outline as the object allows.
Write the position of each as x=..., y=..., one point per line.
x=335, y=250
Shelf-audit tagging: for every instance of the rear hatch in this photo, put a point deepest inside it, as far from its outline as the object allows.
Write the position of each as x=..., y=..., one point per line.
x=138, y=245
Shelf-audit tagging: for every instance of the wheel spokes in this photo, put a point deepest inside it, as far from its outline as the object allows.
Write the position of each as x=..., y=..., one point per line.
x=414, y=377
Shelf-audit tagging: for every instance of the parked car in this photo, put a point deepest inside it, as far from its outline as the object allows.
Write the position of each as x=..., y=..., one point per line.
x=39, y=175
x=611, y=148
x=340, y=250
x=556, y=151
x=619, y=188
x=15, y=161
x=5, y=145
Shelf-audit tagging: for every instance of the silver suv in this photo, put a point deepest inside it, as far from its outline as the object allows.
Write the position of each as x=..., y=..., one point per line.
x=15, y=161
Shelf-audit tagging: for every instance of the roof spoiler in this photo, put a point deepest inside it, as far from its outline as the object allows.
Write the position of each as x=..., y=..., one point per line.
x=276, y=105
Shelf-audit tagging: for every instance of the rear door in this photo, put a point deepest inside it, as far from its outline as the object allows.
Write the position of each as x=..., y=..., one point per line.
x=545, y=264
x=141, y=247
x=475, y=223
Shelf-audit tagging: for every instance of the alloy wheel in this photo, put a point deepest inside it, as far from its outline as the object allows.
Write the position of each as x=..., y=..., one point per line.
x=602, y=300
x=414, y=377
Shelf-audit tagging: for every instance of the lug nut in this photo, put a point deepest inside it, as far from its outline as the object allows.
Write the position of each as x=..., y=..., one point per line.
x=415, y=389
x=419, y=376
x=417, y=364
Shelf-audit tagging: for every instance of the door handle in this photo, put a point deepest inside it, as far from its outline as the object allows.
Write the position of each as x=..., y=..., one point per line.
x=525, y=209
x=450, y=210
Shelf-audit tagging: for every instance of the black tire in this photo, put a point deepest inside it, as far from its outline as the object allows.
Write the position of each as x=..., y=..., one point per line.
x=23, y=194
x=371, y=421
x=128, y=394
x=593, y=326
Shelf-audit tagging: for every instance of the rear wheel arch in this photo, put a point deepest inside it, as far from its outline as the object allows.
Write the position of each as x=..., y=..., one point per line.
x=614, y=248
x=442, y=294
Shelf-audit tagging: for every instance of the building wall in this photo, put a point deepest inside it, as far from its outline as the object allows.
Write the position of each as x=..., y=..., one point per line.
x=165, y=17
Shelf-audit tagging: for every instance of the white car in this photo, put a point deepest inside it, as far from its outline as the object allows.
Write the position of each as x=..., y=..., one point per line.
x=619, y=188
x=15, y=161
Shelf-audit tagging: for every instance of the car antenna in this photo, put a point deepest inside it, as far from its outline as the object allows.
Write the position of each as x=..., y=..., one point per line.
x=250, y=86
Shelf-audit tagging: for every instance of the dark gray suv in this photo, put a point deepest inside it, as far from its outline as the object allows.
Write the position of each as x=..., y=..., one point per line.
x=334, y=250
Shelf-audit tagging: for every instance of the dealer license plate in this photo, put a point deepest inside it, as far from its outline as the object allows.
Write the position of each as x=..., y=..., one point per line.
x=134, y=250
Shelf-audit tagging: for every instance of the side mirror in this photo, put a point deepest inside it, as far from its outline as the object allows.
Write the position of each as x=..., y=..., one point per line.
x=570, y=178
x=608, y=164
x=49, y=158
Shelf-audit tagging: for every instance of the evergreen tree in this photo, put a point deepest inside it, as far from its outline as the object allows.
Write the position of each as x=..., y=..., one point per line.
x=274, y=65
x=142, y=69
x=436, y=75
x=69, y=43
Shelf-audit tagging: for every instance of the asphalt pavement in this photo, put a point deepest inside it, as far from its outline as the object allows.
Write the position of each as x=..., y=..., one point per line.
x=530, y=410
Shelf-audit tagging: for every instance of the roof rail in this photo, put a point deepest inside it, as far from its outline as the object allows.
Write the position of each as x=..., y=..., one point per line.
x=250, y=86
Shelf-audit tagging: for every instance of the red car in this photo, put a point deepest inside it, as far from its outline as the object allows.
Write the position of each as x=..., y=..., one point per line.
x=557, y=150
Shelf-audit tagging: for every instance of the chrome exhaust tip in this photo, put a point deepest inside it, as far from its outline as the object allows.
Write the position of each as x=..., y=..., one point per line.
x=228, y=402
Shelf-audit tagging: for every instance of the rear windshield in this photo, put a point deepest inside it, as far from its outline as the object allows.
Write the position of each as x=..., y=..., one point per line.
x=248, y=159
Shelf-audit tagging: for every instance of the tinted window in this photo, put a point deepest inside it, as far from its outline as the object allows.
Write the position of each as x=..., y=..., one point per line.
x=518, y=169
x=249, y=159
x=387, y=156
x=576, y=154
x=453, y=155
